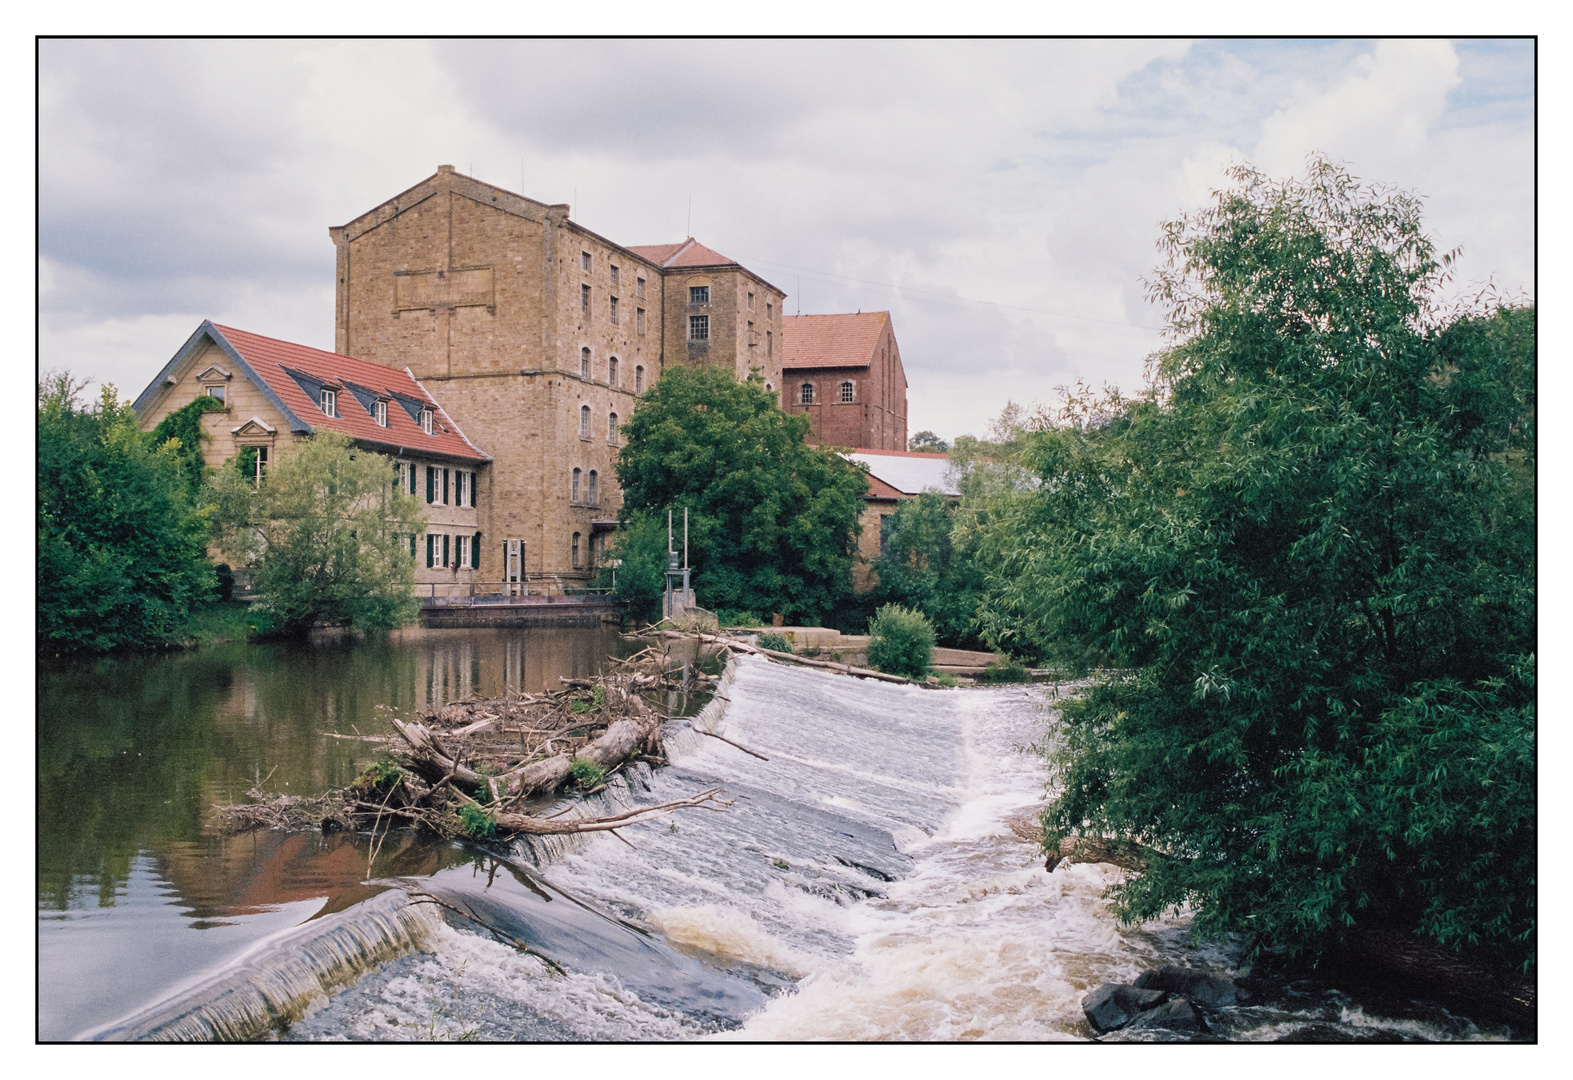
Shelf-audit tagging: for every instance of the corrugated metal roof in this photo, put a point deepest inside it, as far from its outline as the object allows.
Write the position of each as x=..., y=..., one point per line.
x=907, y=472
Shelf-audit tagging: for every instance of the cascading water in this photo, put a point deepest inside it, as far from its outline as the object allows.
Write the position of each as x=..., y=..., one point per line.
x=865, y=884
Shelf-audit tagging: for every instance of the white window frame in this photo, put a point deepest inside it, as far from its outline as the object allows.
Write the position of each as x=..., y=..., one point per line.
x=461, y=551
x=328, y=401
x=379, y=412
x=426, y=421
x=458, y=487
x=848, y=392
x=805, y=394
x=698, y=328
x=584, y=421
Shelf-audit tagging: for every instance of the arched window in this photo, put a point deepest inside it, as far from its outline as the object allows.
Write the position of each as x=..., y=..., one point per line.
x=611, y=371
x=639, y=379
x=576, y=551
x=584, y=363
x=593, y=499
x=769, y=389
x=846, y=393
x=584, y=421
x=573, y=495
x=611, y=429
x=806, y=394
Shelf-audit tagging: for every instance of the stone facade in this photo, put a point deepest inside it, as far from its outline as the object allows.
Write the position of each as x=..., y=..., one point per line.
x=845, y=373
x=537, y=335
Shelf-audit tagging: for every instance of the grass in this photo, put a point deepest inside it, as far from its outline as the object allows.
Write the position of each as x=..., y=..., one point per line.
x=218, y=622
x=585, y=772
x=774, y=642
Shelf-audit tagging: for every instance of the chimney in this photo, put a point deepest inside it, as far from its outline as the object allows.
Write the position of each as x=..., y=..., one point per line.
x=444, y=169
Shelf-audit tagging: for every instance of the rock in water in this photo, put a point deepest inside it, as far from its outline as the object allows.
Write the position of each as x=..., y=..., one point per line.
x=1177, y=1014
x=1113, y=1005
x=1202, y=987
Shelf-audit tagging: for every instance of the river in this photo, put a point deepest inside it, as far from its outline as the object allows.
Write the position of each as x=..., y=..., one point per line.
x=865, y=883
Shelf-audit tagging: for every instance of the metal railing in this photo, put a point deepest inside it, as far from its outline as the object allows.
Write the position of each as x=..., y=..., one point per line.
x=536, y=589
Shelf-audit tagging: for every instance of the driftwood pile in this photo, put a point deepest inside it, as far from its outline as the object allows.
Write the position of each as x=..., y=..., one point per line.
x=473, y=768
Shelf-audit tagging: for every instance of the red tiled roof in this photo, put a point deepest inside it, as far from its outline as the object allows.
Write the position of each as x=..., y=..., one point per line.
x=269, y=357
x=830, y=341
x=688, y=253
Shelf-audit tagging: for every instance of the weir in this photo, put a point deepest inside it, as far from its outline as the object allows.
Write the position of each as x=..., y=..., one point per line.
x=866, y=885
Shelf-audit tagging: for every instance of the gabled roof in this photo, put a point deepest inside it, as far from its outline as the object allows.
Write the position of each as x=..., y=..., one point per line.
x=688, y=253
x=283, y=371
x=831, y=341
x=907, y=472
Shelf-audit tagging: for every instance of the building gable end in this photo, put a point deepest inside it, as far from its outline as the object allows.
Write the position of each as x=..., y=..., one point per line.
x=205, y=333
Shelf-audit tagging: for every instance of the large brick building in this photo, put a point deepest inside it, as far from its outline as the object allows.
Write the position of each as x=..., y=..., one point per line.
x=845, y=372
x=538, y=336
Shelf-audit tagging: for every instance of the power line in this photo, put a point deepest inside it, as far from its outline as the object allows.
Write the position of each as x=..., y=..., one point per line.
x=957, y=299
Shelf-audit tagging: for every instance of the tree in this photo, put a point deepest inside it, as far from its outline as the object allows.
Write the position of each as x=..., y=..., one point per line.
x=772, y=522
x=121, y=540
x=926, y=442
x=327, y=535
x=1310, y=545
x=926, y=566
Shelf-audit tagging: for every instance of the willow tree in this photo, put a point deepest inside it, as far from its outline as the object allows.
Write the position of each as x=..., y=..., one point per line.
x=1309, y=546
x=326, y=534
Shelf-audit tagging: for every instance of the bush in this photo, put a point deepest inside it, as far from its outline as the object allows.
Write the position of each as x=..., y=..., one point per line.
x=774, y=642
x=585, y=772
x=902, y=641
x=477, y=822
x=738, y=618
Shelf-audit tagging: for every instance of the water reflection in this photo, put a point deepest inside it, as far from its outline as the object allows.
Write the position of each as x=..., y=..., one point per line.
x=134, y=752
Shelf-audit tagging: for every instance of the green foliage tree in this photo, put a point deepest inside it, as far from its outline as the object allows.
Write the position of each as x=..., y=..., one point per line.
x=926, y=442
x=772, y=521
x=1311, y=546
x=327, y=535
x=901, y=641
x=927, y=566
x=183, y=427
x=121, y=540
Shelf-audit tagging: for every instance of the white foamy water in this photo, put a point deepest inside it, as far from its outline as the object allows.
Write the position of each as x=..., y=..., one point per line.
x=865, y=885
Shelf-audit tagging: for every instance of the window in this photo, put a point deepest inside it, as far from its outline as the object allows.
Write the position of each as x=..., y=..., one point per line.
x=329, y=401
x=614, y=311
x=611, y=372
x=576, y=551
x=461, y=551
x=410, y=470
x=639, y=378
x=438, y=549
x=638, y=286
x=846, y=393
x=593, y=498
x=445, y=491
x=584, y=261
x=614, y=273
x=611, y=429
x=698, y=328
x=473, y=478
x=639, y=320
x=806, y=393
x=584, y=363
x=426, y=421
x=770, y=345
x=750, y=333
x=584, y=421
x=584, y=299
x=256, y=461
x=216, y=393
x=750, y=300
x=458, y=487
x=433, y=485
x=379, y=412
x=699, y=294
x=573, y=492
x=770, y=311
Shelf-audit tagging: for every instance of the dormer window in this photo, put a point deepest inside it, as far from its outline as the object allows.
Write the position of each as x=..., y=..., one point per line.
x=379, y=412
x=426, y=420
x=328, y=400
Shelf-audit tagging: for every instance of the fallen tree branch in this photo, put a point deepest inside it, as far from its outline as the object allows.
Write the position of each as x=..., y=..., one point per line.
x=729, y=742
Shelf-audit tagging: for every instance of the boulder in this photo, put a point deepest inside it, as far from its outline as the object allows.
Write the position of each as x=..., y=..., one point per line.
x=1202, y=987
x=1176, y=1014
x=1113, y=1005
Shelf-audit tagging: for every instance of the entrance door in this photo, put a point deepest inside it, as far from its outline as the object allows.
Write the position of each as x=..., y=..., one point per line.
x=513, y=564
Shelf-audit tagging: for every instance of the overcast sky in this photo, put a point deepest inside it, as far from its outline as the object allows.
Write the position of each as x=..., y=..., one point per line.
x=1000, y=199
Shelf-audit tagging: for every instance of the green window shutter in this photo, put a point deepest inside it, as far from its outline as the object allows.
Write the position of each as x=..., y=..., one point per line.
x=475, y=551
x=412, y=545
x=445, y=487
x=431, y=484
x=429, y=539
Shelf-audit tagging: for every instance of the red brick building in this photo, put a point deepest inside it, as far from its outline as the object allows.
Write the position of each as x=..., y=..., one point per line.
x=845, y=372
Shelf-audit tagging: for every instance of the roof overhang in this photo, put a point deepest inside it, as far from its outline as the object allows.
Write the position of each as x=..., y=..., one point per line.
x=208, y=333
